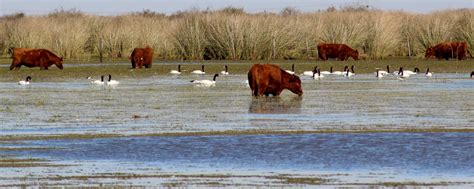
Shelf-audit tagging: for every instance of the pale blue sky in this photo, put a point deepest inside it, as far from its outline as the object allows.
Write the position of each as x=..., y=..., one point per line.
x=113, y=7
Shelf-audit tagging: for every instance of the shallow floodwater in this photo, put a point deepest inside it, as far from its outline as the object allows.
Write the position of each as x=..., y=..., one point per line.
x=163, y=103
x=347, y=158
x=407, y=153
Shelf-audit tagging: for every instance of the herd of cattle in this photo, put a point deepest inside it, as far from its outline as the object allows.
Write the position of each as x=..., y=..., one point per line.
x=143, y=57
x=263, y=79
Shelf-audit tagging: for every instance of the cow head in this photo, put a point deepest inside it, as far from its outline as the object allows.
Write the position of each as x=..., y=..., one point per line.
x=294, y=85
x=59, y=63
x=429, y=52
x=355, y=55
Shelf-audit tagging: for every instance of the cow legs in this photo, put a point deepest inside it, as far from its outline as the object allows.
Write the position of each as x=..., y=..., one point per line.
x=323, y=57
x=262, y=86
x=255, y=91
x=15, y=67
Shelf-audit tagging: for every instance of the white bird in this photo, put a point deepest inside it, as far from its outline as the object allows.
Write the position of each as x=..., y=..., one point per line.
x=349, y=73
x=402, y=74
x=378, y=74
x=411, y=72
x=327, y=72
x=206, y=83
x=310, y=73
x=97, y=82
x=225, y=72
x=112, y=82
x=292, y=71
x=382, y=72
x=26, y=81
x=176, y=72
x=407, y=73
x=317, y=74
x=428, y=74
x=199, y=72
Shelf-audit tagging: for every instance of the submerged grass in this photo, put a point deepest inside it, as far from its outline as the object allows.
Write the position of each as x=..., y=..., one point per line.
x=217, y=133
x=28, y=162
x=183, y=180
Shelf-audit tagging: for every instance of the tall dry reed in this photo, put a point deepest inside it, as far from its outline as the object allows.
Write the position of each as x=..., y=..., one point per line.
x=232, y=34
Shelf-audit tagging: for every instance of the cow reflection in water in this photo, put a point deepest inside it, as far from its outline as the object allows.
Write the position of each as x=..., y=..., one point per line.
x=276, y=105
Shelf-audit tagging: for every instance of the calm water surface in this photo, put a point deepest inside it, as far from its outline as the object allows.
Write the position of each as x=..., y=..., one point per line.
x=172, y=104
x=165, y=103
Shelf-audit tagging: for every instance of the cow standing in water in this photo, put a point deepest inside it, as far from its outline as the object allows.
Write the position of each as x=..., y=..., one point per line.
x=142, y=57
x=339, y=51
x=448, y=50
x=34, y=57
x=266, y=79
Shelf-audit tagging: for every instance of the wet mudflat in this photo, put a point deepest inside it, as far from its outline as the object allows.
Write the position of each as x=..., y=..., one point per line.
x=154, y=102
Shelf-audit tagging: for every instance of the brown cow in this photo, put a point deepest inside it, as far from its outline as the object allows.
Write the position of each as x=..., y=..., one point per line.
x=142, y=57
x=266, y=79
x=339, y=51
x=34, y=57
x=448, y=50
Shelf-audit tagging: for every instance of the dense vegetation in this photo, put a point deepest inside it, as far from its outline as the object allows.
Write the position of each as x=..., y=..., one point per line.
x=233, y=34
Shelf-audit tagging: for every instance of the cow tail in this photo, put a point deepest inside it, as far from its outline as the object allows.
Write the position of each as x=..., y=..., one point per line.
x=250, y=80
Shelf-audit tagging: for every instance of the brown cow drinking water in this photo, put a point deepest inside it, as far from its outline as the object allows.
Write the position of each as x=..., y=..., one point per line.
x=266, y=79
x=34, y=57
x=339, y=51
x=142, y=57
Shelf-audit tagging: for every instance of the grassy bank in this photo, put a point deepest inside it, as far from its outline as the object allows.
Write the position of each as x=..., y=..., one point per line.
x=123, y=70
x=233, y=34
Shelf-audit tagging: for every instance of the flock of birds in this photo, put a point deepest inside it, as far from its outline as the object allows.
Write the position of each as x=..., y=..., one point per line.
x=400, y=74
x=108, y=82
x=203, y=82
x=316, y=73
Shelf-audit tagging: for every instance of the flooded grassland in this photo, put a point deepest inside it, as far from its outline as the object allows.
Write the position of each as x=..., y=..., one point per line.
x=155, y=128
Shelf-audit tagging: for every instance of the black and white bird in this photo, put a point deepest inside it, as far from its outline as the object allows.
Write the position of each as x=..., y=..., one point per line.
x=349, y=72
x=205, y=82
x=176, y=72
x=111, y=82
x=97, y=82
x=26, y=81
x=226, y=71
x=317, y=73
x=382, y=72
x=378, y=74
x=310, y=73
x=428, y=74
x=199, y=72
x=292, y=71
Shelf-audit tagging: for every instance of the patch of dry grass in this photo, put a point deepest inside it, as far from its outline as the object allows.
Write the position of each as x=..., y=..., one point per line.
x=232, y=34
